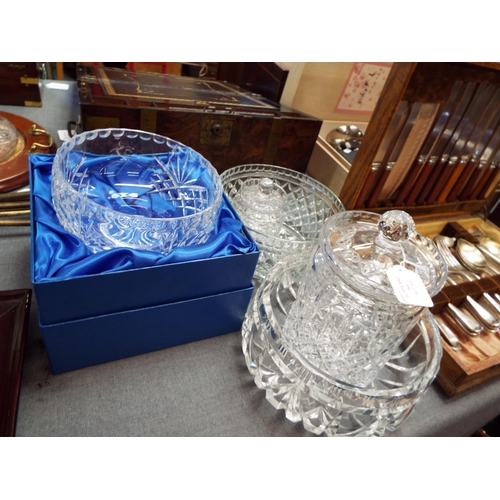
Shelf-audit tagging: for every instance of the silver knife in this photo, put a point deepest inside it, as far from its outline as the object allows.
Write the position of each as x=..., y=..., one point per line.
x=462, y=162
x=467, y=322
x=448, y=334
x=488, y=161
x=392, y=154
x=480, y=153
x=438, y=131
x=382, y=156
x=454, y=120
x=471, y=118
x=434, y=163
x=411, y=147
x=451, y=153
x=449, y=108
x=486, y=181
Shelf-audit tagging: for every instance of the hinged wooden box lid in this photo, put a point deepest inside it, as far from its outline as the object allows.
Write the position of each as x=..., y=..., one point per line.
x=222, y=122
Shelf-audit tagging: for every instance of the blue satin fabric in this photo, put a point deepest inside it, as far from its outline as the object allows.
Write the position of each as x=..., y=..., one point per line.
x=60, y=255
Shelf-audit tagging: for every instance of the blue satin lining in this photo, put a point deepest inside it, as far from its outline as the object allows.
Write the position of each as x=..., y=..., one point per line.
x=60, y=255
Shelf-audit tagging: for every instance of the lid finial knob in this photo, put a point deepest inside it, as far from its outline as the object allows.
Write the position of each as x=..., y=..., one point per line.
x=396, y=225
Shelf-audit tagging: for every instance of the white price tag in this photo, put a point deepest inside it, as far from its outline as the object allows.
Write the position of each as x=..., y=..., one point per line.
x=409, y=287
x=63, y=135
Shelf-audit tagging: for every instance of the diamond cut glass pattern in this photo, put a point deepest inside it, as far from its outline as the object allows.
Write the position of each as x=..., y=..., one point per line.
x=307, y=392
x=306, y=205
x=347, y=320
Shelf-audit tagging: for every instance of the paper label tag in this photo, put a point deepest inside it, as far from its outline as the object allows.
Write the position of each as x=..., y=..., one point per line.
x=409, y=287
x=63, y=135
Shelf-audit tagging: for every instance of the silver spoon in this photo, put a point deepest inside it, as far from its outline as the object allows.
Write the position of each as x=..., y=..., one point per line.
x=490, y=248
x=490, y=244
x=490, y=303
x=485, y=317
x=473, y=258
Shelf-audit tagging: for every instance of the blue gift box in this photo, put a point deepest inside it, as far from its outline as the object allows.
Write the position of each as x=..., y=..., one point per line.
x=101, y=307
x=99, y=339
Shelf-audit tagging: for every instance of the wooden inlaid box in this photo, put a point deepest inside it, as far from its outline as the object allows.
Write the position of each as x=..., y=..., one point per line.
x=225, y=124
x=19, y=84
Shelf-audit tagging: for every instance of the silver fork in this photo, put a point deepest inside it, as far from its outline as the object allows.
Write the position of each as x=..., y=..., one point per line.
x=480, y=313
x=452, y=262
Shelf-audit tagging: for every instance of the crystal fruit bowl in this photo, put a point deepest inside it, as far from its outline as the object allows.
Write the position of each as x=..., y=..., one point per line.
x=127, y=188
x=305, y=206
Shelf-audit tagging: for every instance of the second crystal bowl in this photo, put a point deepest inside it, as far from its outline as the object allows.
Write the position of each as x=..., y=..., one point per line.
x=129, y=188
x=305, y=204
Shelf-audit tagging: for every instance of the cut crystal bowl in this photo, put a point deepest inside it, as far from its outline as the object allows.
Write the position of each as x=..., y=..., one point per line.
x=306, y=204
x=308, y=393
x=129, y=188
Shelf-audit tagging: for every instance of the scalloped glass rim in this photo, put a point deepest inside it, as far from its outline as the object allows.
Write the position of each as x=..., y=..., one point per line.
x=250, y=170
x=158, y=139
x=88, y=209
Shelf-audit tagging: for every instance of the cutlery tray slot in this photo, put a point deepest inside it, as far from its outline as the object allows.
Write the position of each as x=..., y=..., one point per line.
x=478, y=360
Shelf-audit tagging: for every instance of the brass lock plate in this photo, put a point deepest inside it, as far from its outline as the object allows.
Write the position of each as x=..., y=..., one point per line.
x=95, y=122
x=216, y=131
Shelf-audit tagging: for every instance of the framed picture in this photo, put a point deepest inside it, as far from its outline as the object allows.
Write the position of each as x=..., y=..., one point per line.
x=362, y=88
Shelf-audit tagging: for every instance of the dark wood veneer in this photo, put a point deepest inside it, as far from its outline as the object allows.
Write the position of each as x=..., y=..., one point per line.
x=14, y=312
